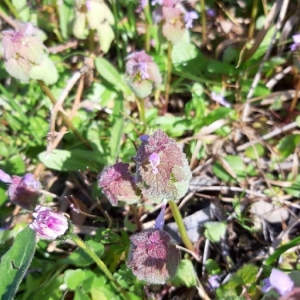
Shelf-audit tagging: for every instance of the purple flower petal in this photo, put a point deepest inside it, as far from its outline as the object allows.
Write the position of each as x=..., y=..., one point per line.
x=5, y=177
x=48, y=224
x=281, y=282
x=189, y=17
x=160, y=220
x=220, y=99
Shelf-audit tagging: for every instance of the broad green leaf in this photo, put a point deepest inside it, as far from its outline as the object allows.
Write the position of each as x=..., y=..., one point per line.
x=109, y=73
x=214, y=231
x=185, y=274
x=13, y=165
x=15, y=263
x=81, y=295
x=64, y=160
x=183, y=52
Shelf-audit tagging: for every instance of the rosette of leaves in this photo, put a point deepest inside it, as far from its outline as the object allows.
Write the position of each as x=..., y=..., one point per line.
x=167, y=177
x=152, y=256
x=25, y=56
x=118, y=184
x=142, y=73
x=95, y=15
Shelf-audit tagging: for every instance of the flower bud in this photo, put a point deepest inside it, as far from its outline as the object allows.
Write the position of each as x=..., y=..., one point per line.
x=23, y=191
x=142, y=74
x=152, y=256
x=118, y=184
x=49, y=224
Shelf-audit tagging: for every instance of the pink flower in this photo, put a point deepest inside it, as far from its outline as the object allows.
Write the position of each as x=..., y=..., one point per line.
x=49, y=224
x=118, y=184
x=220, y=99
x=141, y=6
x=296, y=43
x=189, y=17
x=23, y=191
x=154, y=160
x=152, y=256
x=279, y=281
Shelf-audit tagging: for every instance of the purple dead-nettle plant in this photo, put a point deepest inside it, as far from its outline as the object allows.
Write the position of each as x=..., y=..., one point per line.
x=48, y=224
x=152, y=256
x=118, y=184
x=162, y=168
x=174, y=19
x=142, y=73
x=23, y=191
x=25, y=56
x=278, y=281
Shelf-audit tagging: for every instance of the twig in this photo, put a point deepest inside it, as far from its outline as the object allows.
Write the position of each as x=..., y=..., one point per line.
x=189, y=252
x=269, y=135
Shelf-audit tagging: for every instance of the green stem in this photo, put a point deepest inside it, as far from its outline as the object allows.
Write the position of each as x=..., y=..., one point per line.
x=88, y=250
x=203, y=20
x=169, y=76
x=253, y=19
x=181, y=228
x=65, y=118
x=148, y=26
x=12, y=9
x=141, y=107
x=92, y=41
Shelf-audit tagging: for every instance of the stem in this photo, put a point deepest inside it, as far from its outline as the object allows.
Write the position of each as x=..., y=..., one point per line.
x=181, y=228
x=88, y=250
x=12, y=9
x=92, y=41
x=141, y=107
x=203, y=20
x=295, y=99
x=148, y=26
x=66, y=119
x=169, y=76
x=253, y=19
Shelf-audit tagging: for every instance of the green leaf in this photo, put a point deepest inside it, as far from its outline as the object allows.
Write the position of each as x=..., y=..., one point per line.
x=64, y=160
x=183, y=52
x=287, y=145
x=251, y=153
x=185, y=274
x=74, y=278
x=212, y=267
x=247, y=274
x=294, y=189
x=214, y=231
x=81, y=295
x=108, y=72
x=116, y=130
x=15, y=263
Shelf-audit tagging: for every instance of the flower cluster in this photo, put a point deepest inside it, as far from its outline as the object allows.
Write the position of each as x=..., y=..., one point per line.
x=162, y=172
x=142, y=74
x=174, y=19
x=97, y=15
x=26, y=57
x=23, y=191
